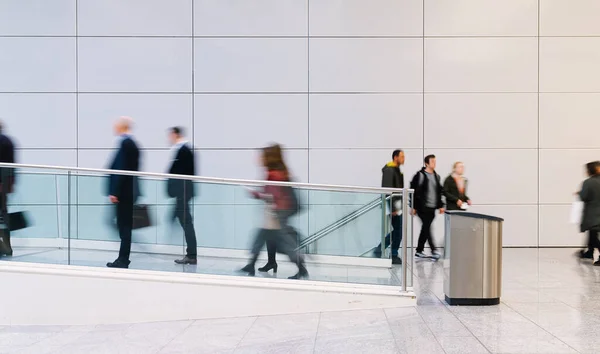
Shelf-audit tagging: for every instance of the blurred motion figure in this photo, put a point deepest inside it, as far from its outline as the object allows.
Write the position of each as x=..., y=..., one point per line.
x=123, y=190
x=281, y=202
x=183, y=191
x=7, y=180
x=455, y=188
x=392, y=177
x=590, y=220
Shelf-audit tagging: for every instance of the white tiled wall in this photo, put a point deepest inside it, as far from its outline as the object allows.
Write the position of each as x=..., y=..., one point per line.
x=509, y=87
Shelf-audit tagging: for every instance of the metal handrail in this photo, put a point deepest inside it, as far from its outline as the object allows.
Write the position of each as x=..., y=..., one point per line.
x=340, y=223
x=211, y=180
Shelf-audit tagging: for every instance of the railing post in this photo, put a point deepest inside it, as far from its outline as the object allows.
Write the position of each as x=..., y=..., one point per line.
x=405, y=216
x=68, y=217
x=383, y=224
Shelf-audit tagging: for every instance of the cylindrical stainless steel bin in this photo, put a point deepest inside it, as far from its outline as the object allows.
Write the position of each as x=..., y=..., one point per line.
x=472, y=258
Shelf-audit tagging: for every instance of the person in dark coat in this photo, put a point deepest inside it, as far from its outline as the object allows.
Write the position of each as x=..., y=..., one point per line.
x=590, y=220
x=392, y=177
x=7, y=181
x=123, y=190
x=427, y=198
x=455, y=188
x=183, y=191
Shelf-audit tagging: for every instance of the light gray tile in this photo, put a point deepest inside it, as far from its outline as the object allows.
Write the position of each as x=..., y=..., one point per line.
x=251, y=18
x=211, y=335
x=55, y=117
x=410, y=330
x=448, y=328
x=403, y=315
x=250, y=65
x=481, y=18
x=37, y=17
x=417, y=345
x=293, y=346
x=461, y=345
x=510, y=329
x=134, y=18
x=282, y=329
x=559, y=18
x=135, y=64
x=215, y=115
x=355, y=64
x=526, y=345
x=98, y=112
x=578, y=54
x=371, y=324
x=352, y=18
x=346, y=114
x=29, y=64
x=355, y=345
x=503, y=64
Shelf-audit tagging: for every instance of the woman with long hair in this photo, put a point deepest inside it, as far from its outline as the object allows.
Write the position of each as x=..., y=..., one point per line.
x=280, y=205
x=590, y=220
x=455, y=188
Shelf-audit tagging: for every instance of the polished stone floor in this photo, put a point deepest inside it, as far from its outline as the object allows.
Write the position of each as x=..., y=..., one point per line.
x=550, y=304
x=210, y=265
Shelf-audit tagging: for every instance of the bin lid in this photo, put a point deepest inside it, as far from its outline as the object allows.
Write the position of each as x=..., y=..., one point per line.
x=473, y=215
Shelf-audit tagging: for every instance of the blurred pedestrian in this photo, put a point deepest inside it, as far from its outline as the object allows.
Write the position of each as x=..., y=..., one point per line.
x=7, y=181
x=280, y=203
x=455, y=188
x=392, y=177
x=428, y=192
x=123, y=190
x=590, y=221
x=183, y=191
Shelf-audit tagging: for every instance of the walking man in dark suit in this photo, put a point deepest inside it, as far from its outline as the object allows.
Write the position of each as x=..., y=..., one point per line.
x=7, y=180
x=123, y=190
x=183, y=191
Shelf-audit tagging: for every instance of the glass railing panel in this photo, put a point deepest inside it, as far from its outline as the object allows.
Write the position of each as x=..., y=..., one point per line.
x=226, y=217
x=97, y=227
x=41, y=195
x=360, y=234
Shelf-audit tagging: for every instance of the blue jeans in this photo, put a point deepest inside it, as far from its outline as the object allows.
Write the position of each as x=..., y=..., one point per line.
x=395, y=236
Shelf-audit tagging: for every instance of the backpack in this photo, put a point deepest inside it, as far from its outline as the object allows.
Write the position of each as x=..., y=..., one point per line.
x=296, y=206
x=419, y=180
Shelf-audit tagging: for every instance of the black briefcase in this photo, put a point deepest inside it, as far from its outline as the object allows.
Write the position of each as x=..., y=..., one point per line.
x=141, y=217
x=17, y=221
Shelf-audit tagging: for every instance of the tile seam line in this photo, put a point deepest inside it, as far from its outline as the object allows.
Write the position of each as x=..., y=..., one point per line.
x=540, y=327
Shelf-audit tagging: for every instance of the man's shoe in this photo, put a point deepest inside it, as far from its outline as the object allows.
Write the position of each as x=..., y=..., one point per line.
x=396, y=260
x=6, y=248
x=421, y=255
x=118, y=264
x=435, y=255
x=187, y=260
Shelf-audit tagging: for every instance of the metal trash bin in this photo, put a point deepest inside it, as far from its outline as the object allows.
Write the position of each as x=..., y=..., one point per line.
x=472, y=258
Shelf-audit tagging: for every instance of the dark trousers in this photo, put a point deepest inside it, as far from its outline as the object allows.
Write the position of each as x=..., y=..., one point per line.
x=183, y=214
x=281, y=241
x=287, y=230
x=426, y=215
x=125, y=226
x=593, y=241
x=5, y=231
x=394, y=237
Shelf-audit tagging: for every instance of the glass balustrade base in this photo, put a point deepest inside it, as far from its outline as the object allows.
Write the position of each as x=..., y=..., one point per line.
x=209, y=265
